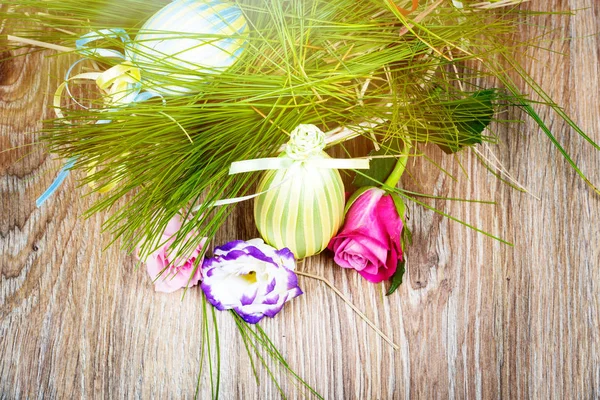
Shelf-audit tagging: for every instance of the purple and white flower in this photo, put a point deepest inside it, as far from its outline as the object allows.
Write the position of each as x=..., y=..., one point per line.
x=250, y=277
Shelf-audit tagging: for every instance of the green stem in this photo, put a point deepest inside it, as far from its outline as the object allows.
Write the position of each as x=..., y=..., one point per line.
x=399, y=168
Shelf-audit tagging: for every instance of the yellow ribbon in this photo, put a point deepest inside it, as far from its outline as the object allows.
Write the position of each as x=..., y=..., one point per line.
x=117, y=82
x=117, y=85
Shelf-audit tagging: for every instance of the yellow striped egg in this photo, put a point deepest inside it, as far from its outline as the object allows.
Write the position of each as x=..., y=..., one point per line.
x=302, y=207
x=200, y=36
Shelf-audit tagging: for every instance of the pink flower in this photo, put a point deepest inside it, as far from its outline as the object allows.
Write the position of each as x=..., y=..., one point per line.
x=167, y=273
x=369, y=241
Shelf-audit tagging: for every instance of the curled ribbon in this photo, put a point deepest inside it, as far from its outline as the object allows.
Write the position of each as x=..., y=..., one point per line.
x=120, y=86
x=305, y=147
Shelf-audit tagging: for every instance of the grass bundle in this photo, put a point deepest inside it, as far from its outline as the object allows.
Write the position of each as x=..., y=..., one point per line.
x=350, y=67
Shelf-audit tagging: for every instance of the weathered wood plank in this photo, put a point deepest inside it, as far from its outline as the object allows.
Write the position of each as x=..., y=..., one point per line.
x=474, y=319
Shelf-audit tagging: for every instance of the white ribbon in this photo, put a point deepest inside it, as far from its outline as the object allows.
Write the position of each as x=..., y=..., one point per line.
x=305, y=147
x=264, y=164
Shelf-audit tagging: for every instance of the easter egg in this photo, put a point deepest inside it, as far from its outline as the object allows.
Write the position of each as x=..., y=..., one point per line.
x=186, y=41
x=301, y=207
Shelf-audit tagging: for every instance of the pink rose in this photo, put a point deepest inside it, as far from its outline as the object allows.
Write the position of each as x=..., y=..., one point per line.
x=369, y=241
x=179, y=272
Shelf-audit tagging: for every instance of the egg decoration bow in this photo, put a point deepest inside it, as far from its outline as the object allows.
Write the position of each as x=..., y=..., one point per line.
x=300, y=200
x=178, y=46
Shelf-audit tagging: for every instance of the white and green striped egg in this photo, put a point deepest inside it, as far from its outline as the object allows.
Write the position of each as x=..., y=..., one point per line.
x=302, y=209
x=202, y=36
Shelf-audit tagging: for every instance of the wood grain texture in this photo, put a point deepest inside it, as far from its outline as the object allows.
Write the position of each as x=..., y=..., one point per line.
x=474, y=318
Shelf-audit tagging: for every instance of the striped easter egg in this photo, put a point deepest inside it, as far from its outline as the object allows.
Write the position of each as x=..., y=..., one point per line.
x=200, y=36
x=302, y=209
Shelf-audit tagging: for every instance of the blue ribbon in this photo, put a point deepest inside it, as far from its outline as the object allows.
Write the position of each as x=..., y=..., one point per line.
x=62, y=175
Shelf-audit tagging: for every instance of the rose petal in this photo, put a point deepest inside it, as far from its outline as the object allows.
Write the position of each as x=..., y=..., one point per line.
x=362, y=218
x=375, y=251
x=173, y=226
x=384, y=273
x=173, y=279
x=357, y=261
x=390, y=220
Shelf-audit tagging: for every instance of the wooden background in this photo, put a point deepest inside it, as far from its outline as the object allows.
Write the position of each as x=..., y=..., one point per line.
x=474, y=318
